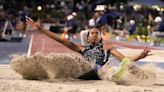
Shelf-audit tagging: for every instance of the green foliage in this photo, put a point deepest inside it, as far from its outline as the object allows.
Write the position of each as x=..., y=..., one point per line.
x=142, y=30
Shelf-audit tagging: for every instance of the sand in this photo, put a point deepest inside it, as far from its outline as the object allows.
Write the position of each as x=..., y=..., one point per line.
x=51, y=66
x=11, y=81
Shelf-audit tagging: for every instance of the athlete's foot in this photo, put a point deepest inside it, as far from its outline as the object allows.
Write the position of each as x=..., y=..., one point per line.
x=123, y=68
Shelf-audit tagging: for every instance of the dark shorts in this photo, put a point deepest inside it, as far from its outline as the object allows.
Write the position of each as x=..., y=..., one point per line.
x=92, y=75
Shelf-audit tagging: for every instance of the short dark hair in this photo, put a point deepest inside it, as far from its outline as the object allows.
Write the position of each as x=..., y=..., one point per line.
x=97, y=26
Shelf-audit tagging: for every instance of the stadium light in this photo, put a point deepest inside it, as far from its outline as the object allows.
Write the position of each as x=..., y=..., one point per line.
x=39, y=8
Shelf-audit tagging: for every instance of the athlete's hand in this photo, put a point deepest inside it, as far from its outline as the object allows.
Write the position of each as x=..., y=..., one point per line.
x=145, y=53
x=32, y=23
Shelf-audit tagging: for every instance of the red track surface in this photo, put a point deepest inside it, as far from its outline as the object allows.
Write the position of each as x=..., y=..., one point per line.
x=127, y=45
x=42, y=43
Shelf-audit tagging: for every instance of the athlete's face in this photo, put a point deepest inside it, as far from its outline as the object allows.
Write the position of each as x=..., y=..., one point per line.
x=94, y=36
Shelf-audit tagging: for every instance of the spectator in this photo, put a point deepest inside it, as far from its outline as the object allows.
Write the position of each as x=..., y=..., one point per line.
x=22, y=24
x=72, y=25
x=150, y=24
x=120, y=30
x=131, y=27
x=158, y=31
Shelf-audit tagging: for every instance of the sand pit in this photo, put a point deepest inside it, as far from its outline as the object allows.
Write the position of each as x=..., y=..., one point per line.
x=57, y=66
x=29, y=67
x=139, y=76
x=52, y=66
x=11, y=81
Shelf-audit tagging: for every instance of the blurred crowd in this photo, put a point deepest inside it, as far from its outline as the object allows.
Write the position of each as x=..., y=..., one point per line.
x=121, y=22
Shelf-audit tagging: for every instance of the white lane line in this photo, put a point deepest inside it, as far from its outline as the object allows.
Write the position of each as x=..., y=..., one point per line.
x=151, y=61
x=30, y=46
